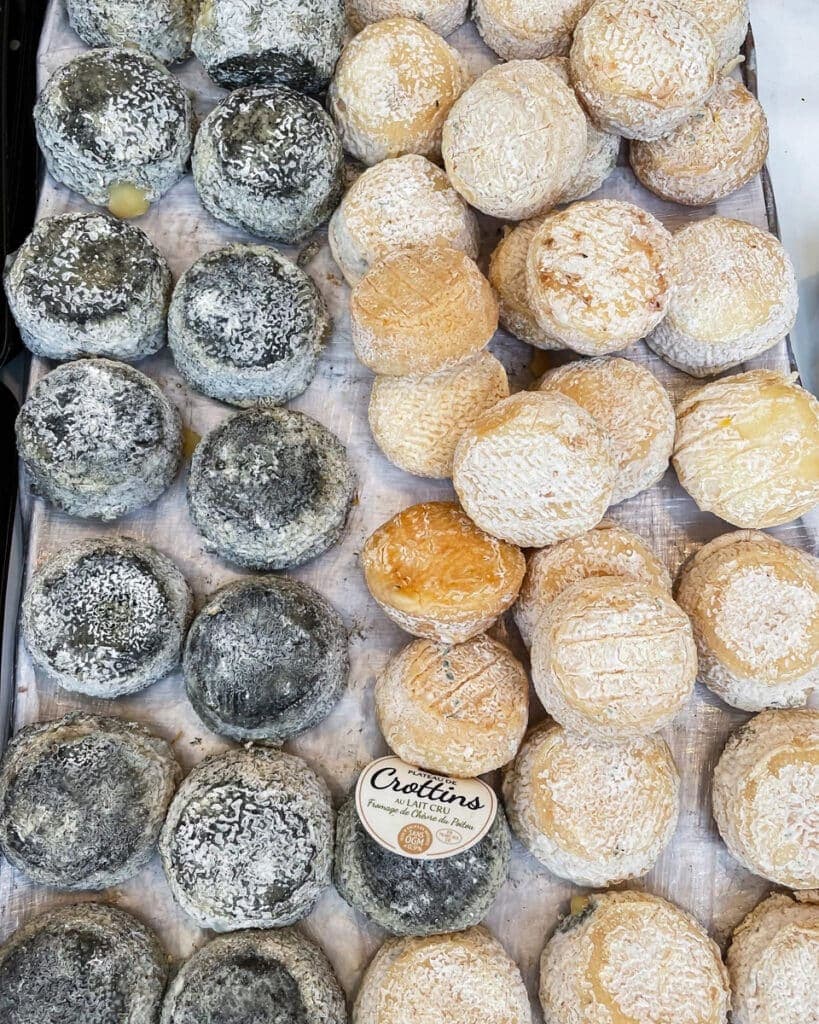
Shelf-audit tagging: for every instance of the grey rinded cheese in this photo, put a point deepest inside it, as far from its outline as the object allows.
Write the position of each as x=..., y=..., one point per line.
x=88, y=285
x=82, y=800
x=265, y=659
x=98, y=439
x=270, y=42
x=248, y=840
x=269, y=160
x=162, y=28
x=247, y=326
x=114, y=117
x=442, y=16
x=413, y=896
x=631, y=956
x=270, y=488
x=256, y=977
x=106, y=617
x=85, y=963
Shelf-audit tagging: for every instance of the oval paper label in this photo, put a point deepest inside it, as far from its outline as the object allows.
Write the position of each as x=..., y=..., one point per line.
x=417, y=814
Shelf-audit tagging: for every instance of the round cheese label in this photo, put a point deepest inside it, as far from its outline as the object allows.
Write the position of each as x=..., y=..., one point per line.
x=418, y=814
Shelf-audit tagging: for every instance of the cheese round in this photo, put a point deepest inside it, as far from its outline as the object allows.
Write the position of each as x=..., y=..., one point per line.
x=534, y=469
x=726, y=21
x=115, y=117
x=613, y=658
x=773, y=961
x=595, y=813
x=270, y=42
x=631, y=407
x=399, y=203
x=599, y=275
x=515, y=140
x=528, y=28
x=507, y=275
x=642, y=67
x=734, y=297
x=248, y=840
x=418, y=421
x=460, y=978
x=162, y=28
x=631, y=956
x=454, y=709
x=420, y=310
x=442, y=16
x=754, y=605
x=392, y=90
x=764, y=796
x=437, y=575
x=747, y=449
x=607, y=550
x=709, y=156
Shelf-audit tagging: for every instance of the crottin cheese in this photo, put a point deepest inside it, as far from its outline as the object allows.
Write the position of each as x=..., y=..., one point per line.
x=436, y=575
x=613, y=658
x=734, y=297
x=747, y=448
x=418, y=421
x=507, y=275
x=442, y=16
x=420, y=310
x=457, y=709
x=534, y=470
x=726, y=21
x=393, y=87
x=528, y=28
x=599, y=275
x=514, y=140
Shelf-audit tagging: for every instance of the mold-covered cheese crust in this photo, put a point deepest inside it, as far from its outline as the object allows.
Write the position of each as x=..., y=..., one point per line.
x=247, y=326
x=734, y=296
x=269, y=160
x=754, y=605
x=515, y=140
x=595, y=813
x=507, y=275
x=726, y=21
x=98, y=439
x=600, y=275
x=607, y=550
x=747, y=449
x=162, y=28
x=412, y=896
x=106, y=617
x=393, y=87
x=270, y=42
x=270, y=488
x=642, y=67
x=773, y=961
x=632, y=958
x=442, y=16
x=528, y=29
x=461, y=978
x=400, y=202
x=88, y=285
x=764, y=796
x=84, y=963
x=436, y=575
x=265, y=659
x=534, y=469
x=632, y=407
x=82, y=800
x=256, y=977
x=248, y=840
x=613, y=658
x=114, y=117
x=457, y=709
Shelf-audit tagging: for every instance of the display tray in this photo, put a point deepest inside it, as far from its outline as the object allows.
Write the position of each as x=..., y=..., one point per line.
x=696, y=871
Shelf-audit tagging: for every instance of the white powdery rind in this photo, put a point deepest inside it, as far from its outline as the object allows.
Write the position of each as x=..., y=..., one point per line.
x=515, y=140
x=726, y=21
x=641, y=67
x=114, y=116
x=88, y=285
x=764, y=796
x=162, y=28
x=630, y=956
x=442, y=16
x=595, y=813
x=507, y=275
x=528, y=29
